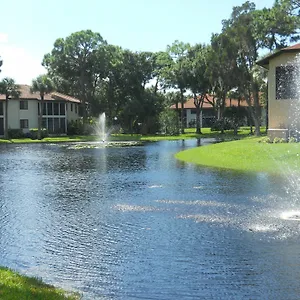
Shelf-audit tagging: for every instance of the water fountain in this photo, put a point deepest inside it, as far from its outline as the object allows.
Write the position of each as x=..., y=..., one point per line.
x=103, y=132
x=292, y=177
x=100, y=127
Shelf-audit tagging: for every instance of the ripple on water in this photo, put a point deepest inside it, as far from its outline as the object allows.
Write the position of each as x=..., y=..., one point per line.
x=138, y=208
x=291, y=215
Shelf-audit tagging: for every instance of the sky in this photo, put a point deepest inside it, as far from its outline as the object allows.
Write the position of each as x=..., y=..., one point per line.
x=29, y=28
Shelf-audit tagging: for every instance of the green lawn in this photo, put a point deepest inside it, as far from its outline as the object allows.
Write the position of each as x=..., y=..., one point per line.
x=246, y=155
x=14, y=286
x=189, y=134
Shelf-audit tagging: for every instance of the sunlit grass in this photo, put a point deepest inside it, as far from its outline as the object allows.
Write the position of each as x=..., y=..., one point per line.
x=246, y=155
x=14, y=286
x=189, y=134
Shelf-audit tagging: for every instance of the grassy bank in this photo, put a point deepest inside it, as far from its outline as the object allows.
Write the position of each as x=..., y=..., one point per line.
x=246, y=155
x=14, y=286
x=189, y=134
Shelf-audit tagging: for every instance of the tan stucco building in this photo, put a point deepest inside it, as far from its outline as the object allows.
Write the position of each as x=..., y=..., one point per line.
x=58, y=111
x=283, y=91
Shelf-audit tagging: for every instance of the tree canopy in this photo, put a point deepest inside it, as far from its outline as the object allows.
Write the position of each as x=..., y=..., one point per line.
x=131, y=86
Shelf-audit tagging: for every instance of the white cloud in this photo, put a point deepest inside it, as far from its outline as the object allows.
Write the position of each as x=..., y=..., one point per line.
x=18, y=63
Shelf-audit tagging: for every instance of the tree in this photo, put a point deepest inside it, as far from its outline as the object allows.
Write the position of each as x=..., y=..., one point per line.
x=249, y=31
x=44, y=85
x=196, y=77
x=241, y=30
x=175, y=73
x=10, y=89
x=80, y=59
x=1, y=62
x=277, y=26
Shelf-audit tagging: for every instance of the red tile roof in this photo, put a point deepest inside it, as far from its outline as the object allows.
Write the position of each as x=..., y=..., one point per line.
x=26, y=94
x=264, y=62
x=228, y=103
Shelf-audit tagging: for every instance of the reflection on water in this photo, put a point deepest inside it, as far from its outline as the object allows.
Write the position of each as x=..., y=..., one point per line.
x=132, y=222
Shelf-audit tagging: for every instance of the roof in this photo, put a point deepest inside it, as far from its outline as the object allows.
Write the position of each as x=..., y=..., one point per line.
x=291, y=49
x=27, y=95
x=228, y=103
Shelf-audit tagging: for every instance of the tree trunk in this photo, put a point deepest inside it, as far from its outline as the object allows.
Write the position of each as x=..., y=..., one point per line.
x=182, y=112
x=222, y=108
x=6, y=119
x=257, y=111
x=198, y=104
x=177, y=118
x=83, y=98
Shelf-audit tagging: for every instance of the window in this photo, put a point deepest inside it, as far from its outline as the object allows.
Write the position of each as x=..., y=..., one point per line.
x=24, y=104
x=56, y=125
x=44, y=109
x=44, y=123
x=50, y=125
x=193, y=111
x=62, y=109
x=63, y=125
x=1, y=108
x=56, y=109
x=71, y=106
x=75, y=108
x=286, y=87
x=24, y=124
x=49, y=109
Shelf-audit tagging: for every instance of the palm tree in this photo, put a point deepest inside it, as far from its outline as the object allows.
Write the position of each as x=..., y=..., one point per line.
x=44, y=85
x=10, y=89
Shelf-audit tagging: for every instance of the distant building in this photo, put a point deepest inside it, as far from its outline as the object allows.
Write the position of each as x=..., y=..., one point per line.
x=58, y=111
x=283, y=91
x=209, y=113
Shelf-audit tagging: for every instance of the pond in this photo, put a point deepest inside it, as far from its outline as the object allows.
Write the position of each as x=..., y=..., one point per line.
x=134, y=223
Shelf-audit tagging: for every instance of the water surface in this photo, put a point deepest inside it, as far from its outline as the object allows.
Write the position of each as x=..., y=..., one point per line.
x=134, y=223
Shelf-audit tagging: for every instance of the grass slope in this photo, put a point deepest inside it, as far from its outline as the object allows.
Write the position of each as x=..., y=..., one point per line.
x=14, y=286
x=245, y=155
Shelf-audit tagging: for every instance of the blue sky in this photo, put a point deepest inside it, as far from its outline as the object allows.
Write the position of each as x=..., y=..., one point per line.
x=30, y=27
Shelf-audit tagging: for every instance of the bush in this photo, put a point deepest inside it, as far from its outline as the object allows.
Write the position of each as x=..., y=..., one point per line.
x=15, y=134
x=292, y=140
x=168, y=121
x=222, y=124
x=265, y=139
x=75, y=128
x=278, y=140
x=33, y=133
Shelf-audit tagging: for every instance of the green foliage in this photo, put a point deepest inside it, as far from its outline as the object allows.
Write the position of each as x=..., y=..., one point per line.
x=277, y=140
x=33, y=133
x=265, y=140
x=43, y=85
x=15, y=133
x=168, y=122
x=221, y=125
x=292, y=140
x=75, y=127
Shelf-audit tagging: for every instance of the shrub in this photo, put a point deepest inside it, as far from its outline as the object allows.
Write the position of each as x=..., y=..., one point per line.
x=222, y=124
x=33, y=133
x=168, y=121
x=278, y=140
x=15, y=134
x=75, y=127
x=265, y=139
x=292, y=140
